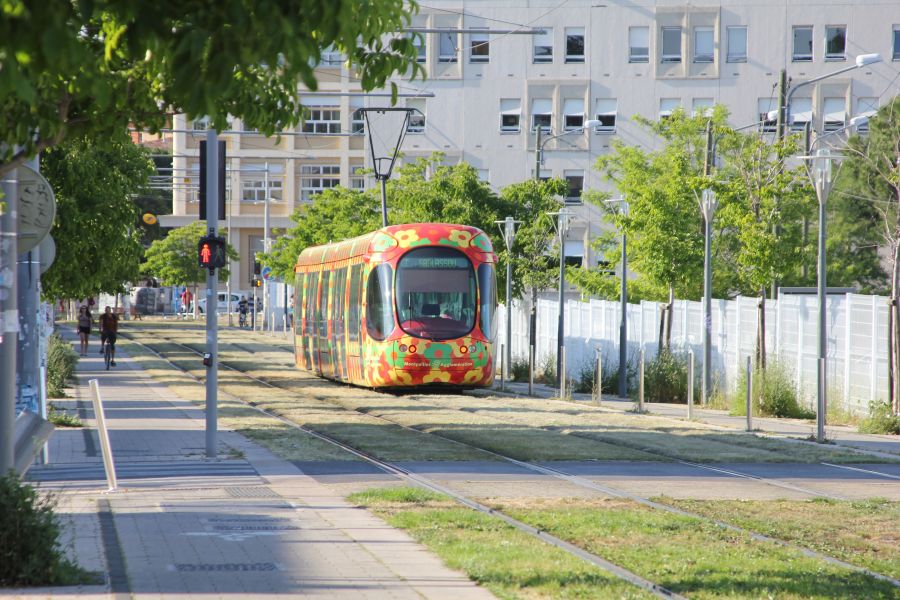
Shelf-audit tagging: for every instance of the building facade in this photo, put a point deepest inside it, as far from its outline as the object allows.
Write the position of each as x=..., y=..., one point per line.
x=489, y=90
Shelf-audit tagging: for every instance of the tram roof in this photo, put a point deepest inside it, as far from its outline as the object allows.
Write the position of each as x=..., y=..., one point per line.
x=377, y=241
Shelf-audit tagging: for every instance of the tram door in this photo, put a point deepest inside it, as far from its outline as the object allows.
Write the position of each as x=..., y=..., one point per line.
x=310, y=324
x=323, y=343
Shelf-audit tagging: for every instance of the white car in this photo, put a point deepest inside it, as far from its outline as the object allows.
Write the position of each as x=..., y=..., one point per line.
x=220, y=307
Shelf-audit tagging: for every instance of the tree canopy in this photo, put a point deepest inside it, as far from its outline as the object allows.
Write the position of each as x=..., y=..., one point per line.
x=92, y=67
x=98, y=245
x=173, y=259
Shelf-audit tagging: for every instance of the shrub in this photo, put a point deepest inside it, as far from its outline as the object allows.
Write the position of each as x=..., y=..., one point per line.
x=665, y=378
x=519, y=370
x=30, y=552
x=587, y=377
x=774, y=394
x=881, y=419
x=61, y=360
x=545, y=372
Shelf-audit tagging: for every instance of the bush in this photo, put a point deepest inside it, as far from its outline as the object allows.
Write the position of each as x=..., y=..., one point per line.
x=881, y=419
x=665, y=379
x=519, y=370
x=545, y=371
x=587, y=377
x=774, y=394
x=30, y=552
x=61, y=360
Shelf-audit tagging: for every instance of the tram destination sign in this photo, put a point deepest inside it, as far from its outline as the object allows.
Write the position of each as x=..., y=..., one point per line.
x=436, y=262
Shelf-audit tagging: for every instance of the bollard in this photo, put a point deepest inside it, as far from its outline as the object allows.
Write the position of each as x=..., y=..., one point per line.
x=531, y=370
x=641, y=383
x=502, y=380
x=108, y=464
x=562, y=373
x=690, y=387
x=598, y=387
x=749, y=396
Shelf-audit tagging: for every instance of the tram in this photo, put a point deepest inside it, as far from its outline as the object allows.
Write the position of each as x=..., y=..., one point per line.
x=405, y=306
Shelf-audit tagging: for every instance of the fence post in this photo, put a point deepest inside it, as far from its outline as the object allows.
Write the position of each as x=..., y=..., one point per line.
x=531, y=369
x=502, y=367
x=749, y=396
x=641, y=383
x=690, y=386
x=108, y=464
x=598, y=388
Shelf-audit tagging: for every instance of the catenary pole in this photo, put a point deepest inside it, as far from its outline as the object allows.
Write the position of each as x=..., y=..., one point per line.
x=27, y=350
x=9, y=321
x=212, y=329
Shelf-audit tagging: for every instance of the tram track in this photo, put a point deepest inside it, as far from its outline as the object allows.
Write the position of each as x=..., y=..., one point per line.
x=573, y=479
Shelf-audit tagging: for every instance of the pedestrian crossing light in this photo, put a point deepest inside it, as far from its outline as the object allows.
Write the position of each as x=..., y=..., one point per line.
x=211, y=252
x=256, y=282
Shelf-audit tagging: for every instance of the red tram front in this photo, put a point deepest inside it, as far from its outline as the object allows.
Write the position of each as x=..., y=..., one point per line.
x=403, y=306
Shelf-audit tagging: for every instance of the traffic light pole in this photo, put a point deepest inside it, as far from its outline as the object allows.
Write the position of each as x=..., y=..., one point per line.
x=212, y=323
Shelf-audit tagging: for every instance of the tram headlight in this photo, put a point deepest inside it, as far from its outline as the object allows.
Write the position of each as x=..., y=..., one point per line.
x=472, y=348
x=463, y=349
x=402, y=347
x=412, y=349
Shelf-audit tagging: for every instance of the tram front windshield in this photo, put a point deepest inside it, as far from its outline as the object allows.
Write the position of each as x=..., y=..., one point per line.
x=436, y=293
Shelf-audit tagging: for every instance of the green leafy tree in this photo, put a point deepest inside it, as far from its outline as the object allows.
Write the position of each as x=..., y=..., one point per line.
x=94, y=67
x=98, y=245
x=173, y=260
x=868, y=190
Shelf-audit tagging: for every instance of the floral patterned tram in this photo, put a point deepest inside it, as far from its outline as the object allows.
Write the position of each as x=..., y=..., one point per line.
x=403, y=306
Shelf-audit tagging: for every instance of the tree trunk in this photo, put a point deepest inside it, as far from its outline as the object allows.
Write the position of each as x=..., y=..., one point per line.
x=662, y=330
x=895, y=330
x=671, y=311
x=761, y=330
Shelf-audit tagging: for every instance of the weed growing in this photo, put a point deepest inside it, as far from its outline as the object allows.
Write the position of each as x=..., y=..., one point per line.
x=774, y=394
x=881, y=419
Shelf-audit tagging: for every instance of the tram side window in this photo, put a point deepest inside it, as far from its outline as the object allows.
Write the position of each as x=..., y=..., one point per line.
x=299, y=291
x=322, y=312
x=487, y=281
x=312, y=292
x=354, y=302
x=379, y=306
x=340, y=289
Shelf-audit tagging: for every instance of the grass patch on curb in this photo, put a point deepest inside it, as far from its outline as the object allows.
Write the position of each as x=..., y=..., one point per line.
x=508, y=562
x=864, y=533
x=691, y=556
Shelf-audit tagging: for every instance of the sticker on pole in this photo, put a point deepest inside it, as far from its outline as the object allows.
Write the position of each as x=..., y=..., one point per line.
x=266, y=273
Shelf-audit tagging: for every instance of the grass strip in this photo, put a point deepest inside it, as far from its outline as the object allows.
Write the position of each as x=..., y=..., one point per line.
x=692, y=556
x=864, y=533
x=508, y=562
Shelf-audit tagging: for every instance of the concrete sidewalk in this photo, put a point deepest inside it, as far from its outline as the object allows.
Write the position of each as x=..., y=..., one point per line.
x=182, y=525
x=794, y=428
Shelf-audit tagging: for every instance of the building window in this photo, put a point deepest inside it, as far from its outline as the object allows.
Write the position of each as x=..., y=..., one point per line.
x=315, y=179
x=254, y=190
x=671, y=44
x=638, y=44
x=704, y=45
x=331, y=57
x=835, y=116
x=701, y=107
x=764, y=106
x=543, y=46
x=357, y=119
x=896, y=54
x=510, y=115
x=667, y=106
x=573, y=114
x=323, y=119
x=200, y=124
x=484, y=176
x=575, y=184
x=541, y=114
x=801, y=114
x=574, y=44
x=447, y=49
x=803, y=44
x=357, y=177
x=835, y=42
x=867, y=107
x=416, y=122
x=479, y=48
x=418, y=40
x=737, y=44
x=606, y=113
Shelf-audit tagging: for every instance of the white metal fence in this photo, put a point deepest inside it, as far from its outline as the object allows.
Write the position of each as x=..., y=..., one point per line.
x=857, y=338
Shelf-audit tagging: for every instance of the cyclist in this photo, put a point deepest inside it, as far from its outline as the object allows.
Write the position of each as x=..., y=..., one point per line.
x=242, y=312
x=109, y=326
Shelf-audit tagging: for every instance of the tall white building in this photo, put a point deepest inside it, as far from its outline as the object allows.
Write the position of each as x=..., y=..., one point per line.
x=594, y=59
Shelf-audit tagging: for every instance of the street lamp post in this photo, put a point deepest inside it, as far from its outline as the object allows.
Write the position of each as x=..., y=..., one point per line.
x=562, y=227
x=623, y=299
x=508, y=230
x=265, y=318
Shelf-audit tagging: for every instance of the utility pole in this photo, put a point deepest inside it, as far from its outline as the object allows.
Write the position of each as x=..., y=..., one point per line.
x=781, y=126
x=28, y=290
x=708, y=207
x=9, y=320
x=265, y=282
x=212, y=296
x=508, y=230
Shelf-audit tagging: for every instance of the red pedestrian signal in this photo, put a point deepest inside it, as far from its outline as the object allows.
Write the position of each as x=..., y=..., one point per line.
x=211, y=252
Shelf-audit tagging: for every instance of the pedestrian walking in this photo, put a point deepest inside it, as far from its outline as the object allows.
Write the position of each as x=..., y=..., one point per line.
x=85, y=320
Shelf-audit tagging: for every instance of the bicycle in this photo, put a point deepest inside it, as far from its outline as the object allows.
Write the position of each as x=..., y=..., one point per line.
x=242, y=320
